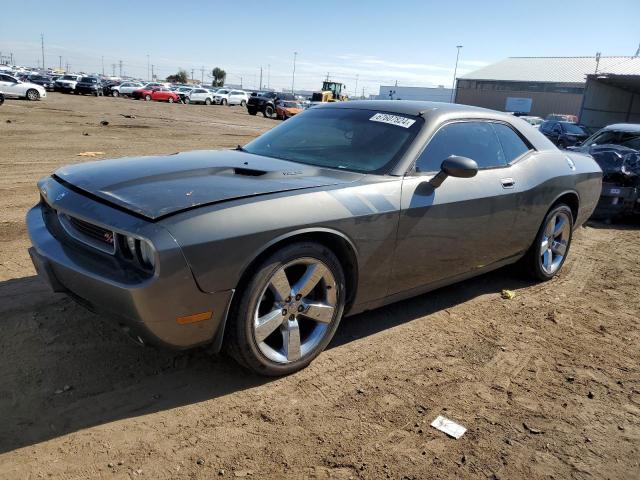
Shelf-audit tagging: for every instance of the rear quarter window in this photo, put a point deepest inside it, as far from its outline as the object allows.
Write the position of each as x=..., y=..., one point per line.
x=512, y=144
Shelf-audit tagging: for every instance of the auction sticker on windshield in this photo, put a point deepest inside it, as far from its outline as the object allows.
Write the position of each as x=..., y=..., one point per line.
x=403, y=122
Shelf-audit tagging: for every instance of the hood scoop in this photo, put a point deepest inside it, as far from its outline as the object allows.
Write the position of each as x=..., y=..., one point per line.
x=248, y=172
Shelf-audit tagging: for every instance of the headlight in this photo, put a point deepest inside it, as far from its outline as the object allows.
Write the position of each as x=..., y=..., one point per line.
x=140, y=251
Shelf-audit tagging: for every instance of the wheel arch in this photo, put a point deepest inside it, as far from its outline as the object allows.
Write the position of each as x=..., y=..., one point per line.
x=571, y=199
x=339, y=243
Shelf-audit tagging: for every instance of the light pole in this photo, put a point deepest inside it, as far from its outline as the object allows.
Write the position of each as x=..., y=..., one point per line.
x=455, y=71
x=293, y=77
x=148, y=67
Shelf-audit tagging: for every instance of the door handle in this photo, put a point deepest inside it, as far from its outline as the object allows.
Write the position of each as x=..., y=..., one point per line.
x=507, y=182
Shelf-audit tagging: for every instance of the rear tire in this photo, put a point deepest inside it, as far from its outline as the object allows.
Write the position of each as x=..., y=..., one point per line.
x=549, y=250
x=323, y=297
x=243, y=103
x=115, y=93
x=147, y=98
x=207, y=101
x=33, y=95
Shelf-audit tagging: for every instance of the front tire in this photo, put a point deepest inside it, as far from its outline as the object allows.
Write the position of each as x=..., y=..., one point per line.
x=33, y=95
x=549, y=251
x=252, y=111
x=115, y=93
x=224, y=101
x=170, y=100
x=243, y=104
x=269, y=111
x=288, y=311
x=207, y=101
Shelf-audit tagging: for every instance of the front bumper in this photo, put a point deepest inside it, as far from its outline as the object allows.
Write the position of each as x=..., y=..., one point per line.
x=86, y=90
x=146, y=307
x=63, y=87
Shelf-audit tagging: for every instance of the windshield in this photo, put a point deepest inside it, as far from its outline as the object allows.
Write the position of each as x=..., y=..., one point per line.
x=222, y=92
x=573, y=128
x=615, y=137
x=69, y=77
x=348, y=139
x=88, y=80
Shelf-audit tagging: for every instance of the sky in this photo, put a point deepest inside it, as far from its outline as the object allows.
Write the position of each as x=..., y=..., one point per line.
x=363, y=44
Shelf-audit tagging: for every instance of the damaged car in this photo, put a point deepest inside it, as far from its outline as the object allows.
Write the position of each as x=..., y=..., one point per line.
x=616, y=148
x=343, y=208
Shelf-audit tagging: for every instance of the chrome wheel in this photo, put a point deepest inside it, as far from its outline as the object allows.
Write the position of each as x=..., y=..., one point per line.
x=33, y=95
x=555, y=241
x=295, y=310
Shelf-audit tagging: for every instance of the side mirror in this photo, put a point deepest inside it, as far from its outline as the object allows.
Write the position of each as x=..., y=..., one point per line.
x=455, y=166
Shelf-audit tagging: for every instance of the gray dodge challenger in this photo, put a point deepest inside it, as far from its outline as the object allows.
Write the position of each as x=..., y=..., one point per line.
x=346, y=207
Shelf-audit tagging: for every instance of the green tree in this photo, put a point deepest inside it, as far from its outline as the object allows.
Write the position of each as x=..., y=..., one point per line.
x=219, y=76
x=181, y=77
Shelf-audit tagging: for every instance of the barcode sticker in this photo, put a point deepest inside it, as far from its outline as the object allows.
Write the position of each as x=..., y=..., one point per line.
x=396, y=120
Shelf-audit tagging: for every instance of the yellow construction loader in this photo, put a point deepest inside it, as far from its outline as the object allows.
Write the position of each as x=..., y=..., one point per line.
x=331, y=92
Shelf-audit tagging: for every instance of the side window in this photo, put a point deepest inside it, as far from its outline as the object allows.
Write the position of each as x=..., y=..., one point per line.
x=512, y=145
x=475, y=140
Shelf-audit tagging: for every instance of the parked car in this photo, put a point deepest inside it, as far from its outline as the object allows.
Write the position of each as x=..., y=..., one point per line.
x=14, y=88
x=563, y=134
x=66, y=83
x=162, y=94
x=266, y=103
x=193, y=249
x=199, y=95
x=562, y=117
x=535, y=121
x=47, y=82
x=89, y=86
x=145, y=91
x=126, y=88
x=616, y=148
x=108, y=87
x=231, y=97
x=287, y=109
x=183, y=92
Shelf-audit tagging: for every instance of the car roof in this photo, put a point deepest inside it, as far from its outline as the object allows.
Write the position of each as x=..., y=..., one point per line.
x=409, y=107
x=625, y=127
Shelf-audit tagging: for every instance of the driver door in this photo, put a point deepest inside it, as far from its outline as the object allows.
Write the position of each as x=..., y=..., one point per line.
x=465, y=224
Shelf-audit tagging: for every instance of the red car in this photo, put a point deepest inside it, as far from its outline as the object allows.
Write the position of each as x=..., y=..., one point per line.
x=157, y=93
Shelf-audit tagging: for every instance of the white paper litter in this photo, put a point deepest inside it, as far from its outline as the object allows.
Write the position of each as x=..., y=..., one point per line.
x=449, y=427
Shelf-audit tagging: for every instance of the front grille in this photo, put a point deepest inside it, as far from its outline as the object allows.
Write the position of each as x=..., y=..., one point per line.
x=93, y=235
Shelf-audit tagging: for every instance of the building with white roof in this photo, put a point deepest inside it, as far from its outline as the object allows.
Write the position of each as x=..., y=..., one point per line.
x=539, y=85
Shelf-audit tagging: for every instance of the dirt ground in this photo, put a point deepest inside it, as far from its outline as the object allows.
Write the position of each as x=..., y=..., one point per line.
x=547, y=384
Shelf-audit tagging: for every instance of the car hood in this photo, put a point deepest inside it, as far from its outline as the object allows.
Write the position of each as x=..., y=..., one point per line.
x=155, y=187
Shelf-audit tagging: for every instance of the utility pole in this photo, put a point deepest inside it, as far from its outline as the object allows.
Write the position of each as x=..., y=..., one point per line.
x=148, y=67
x=260, y=86
x=68, y=68
x=455, y=72
x=42, y=43
x=113, y=68
x=363, y=93
x=153, y=75
x=60, y=57
x=355, y=90
x=293, y=77
x=120, y=65
x=268, y=76
x=637, y=51
x=327, y=79
x=240, y=82
x=202, y=75
x=597, y=62
x=192, y=70
x=103, y=65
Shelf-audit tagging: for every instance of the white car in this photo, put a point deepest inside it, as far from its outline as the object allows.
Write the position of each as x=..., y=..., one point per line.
x=231, y=97
x=66, y=83
x=12, y=87
x=199, y=95
x=125, y=88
